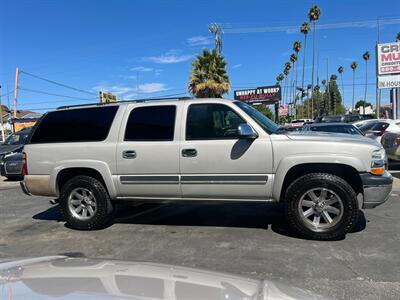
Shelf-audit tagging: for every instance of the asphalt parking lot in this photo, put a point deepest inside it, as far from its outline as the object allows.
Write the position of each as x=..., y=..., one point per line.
x=249, y=240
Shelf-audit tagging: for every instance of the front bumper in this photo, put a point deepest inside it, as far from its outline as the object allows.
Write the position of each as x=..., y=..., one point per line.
x=377, y=189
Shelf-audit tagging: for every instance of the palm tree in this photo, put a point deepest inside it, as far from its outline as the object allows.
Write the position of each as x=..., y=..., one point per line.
x=398, y=37
x=296, y=49
x=286, y=71
x=279, y=78
x=340, y=71
x=313, y=15
x=293, y=60
x=304, y=29
x=353, y=66
x=366, y=58
x=208, y=77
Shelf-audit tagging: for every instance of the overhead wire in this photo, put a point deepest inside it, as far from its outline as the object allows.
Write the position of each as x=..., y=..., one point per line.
x=57, y=83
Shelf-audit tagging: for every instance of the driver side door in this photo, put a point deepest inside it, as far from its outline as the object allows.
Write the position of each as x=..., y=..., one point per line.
x=214, y=162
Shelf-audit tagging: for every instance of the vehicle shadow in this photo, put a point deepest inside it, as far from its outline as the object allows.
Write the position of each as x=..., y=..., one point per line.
x=240, y=215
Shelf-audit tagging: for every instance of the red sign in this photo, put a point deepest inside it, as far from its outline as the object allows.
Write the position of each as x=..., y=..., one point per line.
x=265, y=94
x=388, y=58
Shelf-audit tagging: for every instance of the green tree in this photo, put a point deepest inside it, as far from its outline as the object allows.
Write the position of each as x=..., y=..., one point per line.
x=398, y=37
x=366, y=58
x=304, y=29
x=362, y=103
x=313, y=15
x=209, y=78
x=265, y=110
x=353, y=66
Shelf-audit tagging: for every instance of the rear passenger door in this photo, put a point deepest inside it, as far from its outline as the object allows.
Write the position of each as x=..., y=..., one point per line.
x=148, y=151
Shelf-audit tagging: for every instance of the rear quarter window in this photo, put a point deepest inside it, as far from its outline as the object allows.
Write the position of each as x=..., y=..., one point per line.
x=90, y=124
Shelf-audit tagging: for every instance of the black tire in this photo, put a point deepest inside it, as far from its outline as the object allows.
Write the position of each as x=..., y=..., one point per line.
x=103, y=212
x=340, y=187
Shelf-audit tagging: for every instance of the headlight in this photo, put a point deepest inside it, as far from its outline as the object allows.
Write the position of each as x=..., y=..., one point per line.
x=378, y=162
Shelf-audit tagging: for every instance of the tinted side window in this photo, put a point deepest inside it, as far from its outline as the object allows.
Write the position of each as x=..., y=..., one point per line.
x=381, y=126
x=212, y=121
x=151, y=123
x=75, y=125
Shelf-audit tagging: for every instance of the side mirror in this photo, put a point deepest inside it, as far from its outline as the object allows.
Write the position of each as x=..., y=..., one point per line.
x=246, y=132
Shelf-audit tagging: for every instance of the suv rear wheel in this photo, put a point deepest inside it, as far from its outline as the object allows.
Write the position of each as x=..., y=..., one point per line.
x=85, y=203
x=321, y=206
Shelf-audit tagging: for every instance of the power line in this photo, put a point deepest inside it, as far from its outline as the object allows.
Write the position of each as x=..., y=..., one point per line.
x=57, y=83
x=7, y=93
x=52, y=94
x=48, y=102
x=230, y=29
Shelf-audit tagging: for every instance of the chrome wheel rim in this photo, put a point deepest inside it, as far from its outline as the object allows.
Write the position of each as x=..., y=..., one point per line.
x=82, y=204
x=320, y=209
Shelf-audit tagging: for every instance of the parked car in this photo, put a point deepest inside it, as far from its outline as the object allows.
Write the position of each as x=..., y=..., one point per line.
x=386, y=125
x=60, y=277
x=365, y=125
x=14, y=143
x=200, y=150
x=350, y=118
x=11, y=166
x=333, y=127
x=391, y=143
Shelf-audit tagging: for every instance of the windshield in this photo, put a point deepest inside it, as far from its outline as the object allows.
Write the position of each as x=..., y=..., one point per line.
x=268, y=125
x=16, y=139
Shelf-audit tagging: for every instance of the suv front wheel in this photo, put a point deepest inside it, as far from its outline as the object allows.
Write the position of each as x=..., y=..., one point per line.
x=85, y=203
x=321, y=206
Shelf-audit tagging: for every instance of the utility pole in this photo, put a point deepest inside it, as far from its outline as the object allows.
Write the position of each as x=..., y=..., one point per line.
x=8, y=98
x=328, y=84
x=16, y=92
x=137, y=84
x=1, y=119
x=216, y=30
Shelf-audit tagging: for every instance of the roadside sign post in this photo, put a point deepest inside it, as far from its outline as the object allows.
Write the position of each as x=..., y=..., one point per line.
x=388, y=73
x=106, y=97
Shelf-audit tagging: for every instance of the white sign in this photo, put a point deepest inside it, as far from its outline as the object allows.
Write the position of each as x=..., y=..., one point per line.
x=389, y=81
x=388, y=58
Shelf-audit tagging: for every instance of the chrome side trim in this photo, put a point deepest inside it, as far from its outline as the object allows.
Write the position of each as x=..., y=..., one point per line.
x=140, y=179
x=224, y=179
x=191, y=199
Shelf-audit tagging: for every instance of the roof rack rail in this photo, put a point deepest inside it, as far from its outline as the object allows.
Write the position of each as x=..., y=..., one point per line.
x=125, y=101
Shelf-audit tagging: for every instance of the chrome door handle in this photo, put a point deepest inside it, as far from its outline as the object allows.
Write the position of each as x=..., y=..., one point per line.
x=129, y=154
x=189, y=152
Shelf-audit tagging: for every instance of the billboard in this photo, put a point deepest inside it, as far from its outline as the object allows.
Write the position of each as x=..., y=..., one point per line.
x=389, y=81
x=264, y=94
x=388, y=58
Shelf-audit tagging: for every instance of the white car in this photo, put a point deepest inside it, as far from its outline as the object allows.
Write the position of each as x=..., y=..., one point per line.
x=380, y=127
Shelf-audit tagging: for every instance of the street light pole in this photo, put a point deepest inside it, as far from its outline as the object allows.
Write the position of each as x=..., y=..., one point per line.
x=1, y=119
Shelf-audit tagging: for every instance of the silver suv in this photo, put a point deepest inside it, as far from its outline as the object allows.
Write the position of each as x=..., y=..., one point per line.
x=201, y=150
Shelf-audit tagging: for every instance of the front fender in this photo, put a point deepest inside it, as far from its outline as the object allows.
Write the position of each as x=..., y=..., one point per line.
x=289, y=162
x=99, y=166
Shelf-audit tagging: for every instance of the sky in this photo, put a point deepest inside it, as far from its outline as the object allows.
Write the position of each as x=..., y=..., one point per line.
x=147, y=46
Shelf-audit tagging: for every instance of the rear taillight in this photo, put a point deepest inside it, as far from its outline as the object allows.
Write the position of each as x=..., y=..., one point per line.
x=379, y=133
x=25, y=166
